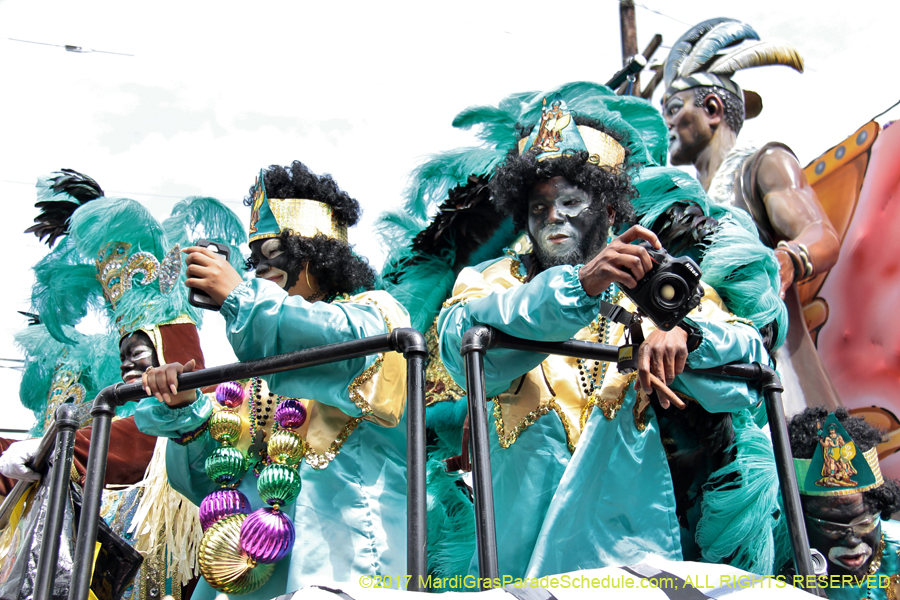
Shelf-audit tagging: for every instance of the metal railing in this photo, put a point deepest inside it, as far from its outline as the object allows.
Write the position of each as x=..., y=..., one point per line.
x=481, y=338
x=407, y=341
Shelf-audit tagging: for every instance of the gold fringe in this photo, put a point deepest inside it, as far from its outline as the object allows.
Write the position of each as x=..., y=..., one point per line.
x=163, y=511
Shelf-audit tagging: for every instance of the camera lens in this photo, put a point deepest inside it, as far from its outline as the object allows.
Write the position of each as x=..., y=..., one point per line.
x=668, y=291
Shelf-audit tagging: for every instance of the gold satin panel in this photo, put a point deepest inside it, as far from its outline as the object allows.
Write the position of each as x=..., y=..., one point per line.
x=555, y=385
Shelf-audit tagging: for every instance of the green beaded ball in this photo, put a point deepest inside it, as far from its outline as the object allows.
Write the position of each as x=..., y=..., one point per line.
x=226, y=465
x=278, y=484
x=285, y=447
x=225, y=426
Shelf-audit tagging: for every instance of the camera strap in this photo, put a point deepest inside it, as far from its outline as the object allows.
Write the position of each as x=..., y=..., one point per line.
x=634, y=337
x=616, y=313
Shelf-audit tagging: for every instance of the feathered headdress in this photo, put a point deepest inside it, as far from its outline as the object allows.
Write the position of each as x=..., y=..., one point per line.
x=115, y=254
x=55, y=373
x=466, y=228
x=710, y=53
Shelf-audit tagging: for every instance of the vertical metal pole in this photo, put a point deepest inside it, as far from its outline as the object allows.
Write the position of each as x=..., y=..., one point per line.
x=415, y=353
x=56, y=501
x=102, y=413
x=473, y=349
x=790, y=490
x=628, y=28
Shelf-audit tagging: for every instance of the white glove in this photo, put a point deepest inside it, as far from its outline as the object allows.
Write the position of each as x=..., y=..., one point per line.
x=12, y=462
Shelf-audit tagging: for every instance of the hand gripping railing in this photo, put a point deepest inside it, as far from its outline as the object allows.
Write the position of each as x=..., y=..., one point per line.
x=407, y=341
x=481, y=338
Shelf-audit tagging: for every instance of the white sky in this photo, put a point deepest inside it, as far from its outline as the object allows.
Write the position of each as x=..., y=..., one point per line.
x=363, y=90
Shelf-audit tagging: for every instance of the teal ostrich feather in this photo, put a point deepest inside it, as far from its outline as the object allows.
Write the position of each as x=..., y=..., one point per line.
x=198, y=217
x=65, y=289
x=107, y=220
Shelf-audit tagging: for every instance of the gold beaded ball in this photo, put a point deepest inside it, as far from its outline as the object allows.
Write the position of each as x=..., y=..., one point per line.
x=225, y=426
x=285, y=447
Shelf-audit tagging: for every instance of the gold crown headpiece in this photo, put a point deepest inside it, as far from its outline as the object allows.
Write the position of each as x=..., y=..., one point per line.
x=557, y=134
x=269, y=217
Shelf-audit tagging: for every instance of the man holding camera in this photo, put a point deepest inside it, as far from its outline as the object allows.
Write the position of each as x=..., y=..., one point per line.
x=611, y=500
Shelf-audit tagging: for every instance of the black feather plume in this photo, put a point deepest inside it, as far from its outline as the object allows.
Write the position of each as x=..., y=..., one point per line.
x=684, y=230
x=465, y=221
x=53, y=220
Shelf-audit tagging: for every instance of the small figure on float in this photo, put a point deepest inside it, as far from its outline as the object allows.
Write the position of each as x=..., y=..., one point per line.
x=112, y=250
x=705, y=109
x=302, y=477
x=847, y=520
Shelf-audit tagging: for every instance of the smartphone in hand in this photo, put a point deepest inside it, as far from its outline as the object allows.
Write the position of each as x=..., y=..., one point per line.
x=195, y=296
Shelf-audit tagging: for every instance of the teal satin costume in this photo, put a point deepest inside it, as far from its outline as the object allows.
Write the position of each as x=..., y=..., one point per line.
x=615, y=503
x=350, y=516
x=525, y=473
x=612, y=500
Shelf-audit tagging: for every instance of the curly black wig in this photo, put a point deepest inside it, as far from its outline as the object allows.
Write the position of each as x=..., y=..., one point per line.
x=297, y=181
x=514, y=178
x=803, y=430
x=333, y=263
x=336, y=268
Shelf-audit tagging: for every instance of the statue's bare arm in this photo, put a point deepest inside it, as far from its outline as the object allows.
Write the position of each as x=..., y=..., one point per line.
x=796, y=214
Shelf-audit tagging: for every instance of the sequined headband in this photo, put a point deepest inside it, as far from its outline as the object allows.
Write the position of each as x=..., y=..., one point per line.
x=304, y=217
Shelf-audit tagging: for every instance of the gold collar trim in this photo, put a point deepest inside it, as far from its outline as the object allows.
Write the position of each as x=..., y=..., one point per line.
x=321, y=461
x=508, y=439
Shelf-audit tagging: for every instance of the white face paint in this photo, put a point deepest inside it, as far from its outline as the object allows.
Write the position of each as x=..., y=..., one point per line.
x=851, y=558
x=559, y=216
x=136, y=353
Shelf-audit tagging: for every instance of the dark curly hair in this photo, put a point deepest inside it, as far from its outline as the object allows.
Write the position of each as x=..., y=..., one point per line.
x=514, y=178
x=333, y=263
x=518, y=174
x=297, y=181
x=804, y=434
x=336, y=268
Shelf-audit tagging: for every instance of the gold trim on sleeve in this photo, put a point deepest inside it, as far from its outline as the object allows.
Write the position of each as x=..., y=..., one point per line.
x=514, y=267
x=353, y=389
x=452, y=301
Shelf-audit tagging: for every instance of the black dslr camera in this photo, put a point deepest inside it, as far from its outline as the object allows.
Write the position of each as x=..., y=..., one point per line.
x=669, y=291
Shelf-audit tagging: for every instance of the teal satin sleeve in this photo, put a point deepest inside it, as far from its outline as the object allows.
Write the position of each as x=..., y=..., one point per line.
x=262, y=320
x=552, y=307
x=723, y=343
x=185, y=465
x=155, y=418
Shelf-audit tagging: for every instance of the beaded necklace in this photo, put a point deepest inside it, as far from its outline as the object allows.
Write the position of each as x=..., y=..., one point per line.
x=239, y=549
x=260, y=411
x=588, y=376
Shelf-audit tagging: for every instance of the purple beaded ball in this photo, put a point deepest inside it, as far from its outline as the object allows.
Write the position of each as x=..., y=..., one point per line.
x=290, y=413
x=230, y=394
x=221, y=504
x=267, y=535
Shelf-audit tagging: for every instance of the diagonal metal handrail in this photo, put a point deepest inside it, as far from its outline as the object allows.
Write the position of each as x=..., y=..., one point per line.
x=407, y=341
x=481, y=338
